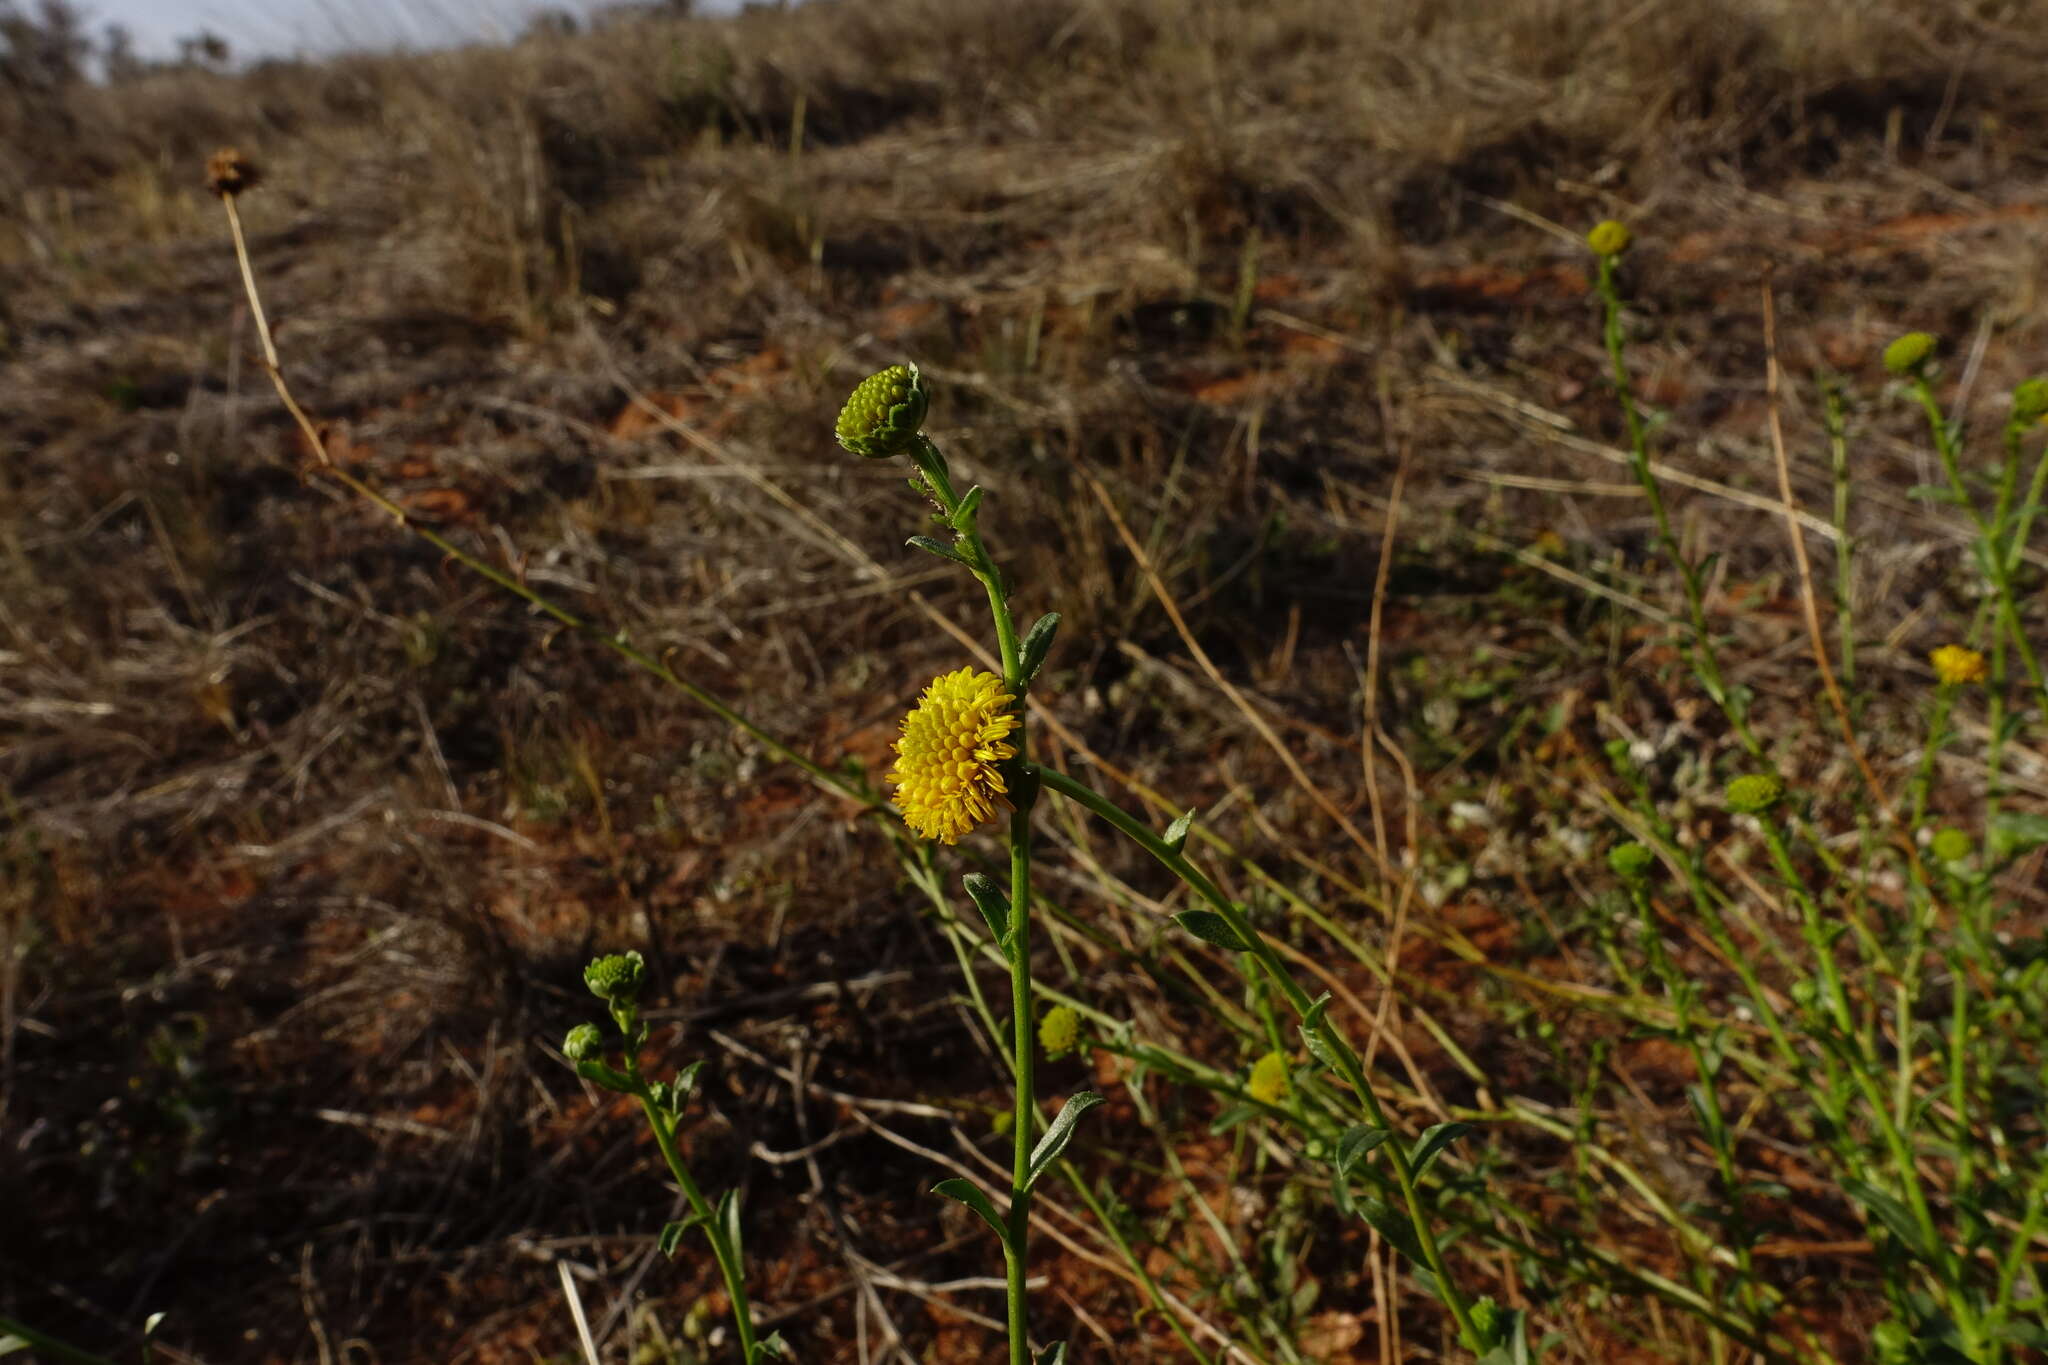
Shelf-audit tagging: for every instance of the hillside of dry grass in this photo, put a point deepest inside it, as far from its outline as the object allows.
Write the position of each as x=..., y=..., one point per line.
x=307, y=832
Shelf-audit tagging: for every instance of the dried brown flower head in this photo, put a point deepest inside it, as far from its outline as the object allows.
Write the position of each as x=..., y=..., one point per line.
x=228, y=172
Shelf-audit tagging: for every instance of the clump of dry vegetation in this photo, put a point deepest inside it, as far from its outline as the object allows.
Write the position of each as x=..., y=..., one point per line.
x=307, y=830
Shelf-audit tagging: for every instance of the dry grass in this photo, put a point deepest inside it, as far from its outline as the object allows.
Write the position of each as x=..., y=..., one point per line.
x=307, y=832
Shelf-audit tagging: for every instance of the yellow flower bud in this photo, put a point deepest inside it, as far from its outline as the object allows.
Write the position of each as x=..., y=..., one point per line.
x=1060, y=1031
x=1911, y=351
x=1951, y=845
x=1755, y=793
x=884, y=413
x=1609, y=238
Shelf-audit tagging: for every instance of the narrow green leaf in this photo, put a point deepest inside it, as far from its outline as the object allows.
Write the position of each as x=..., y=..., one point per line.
x=671, y=1237
x=1714, y=1050
x=1058, y=1134
x=1055, y=1354
x=729, y=1223
x=597, y=1073
x=1037, y=644
x=1432, y=1143
x=1394, y=1226
x=1165, y=1063
x=994, y=903
x=1211, y=927
x=683, y=1086
x=970, y=1194
x=1699, y=1097
x=2013, y=832
x=1233, y=1116
x=963, y=516
x=1354, y=1146
x=939, y=548
x=1894, y=1214
x=1510, y=1344
x=1176, y=837
x=775, y=1345
x=2029, y=1334
x=10, y=1344
x=1315, y=1033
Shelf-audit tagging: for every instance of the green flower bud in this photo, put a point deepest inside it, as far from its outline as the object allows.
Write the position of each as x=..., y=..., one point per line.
x=616, y=979
x=1951, y=845
x=1755, y=794
x=2030, y=402
x=1909, y=353
x=583, y=1041
x=1803, y=994
x=1609, y=238
x=1486, y=1323
x=1059, y=1032
x=884, y=414
x=1631, y=861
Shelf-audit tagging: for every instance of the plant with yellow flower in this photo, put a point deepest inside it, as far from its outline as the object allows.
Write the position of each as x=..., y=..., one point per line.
x=1896, y=1019
x=1879, y=1012
x=1956, y=666
x=960, y=761
x=963, y=758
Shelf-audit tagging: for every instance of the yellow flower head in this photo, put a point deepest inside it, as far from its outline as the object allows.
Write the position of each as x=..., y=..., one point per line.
x=1955, y=665
x=1268, y=1084
x=945, y=774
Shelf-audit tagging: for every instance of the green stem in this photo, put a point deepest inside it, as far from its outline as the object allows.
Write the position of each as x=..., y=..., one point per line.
x=1023, y=795
x=2036, y=1212
x=1682, y=992
x=721, y=1249
x=49, y=1345
x=1700, y=651
x=1993, y=556
x=1861, y=1069
x=1023, y=1047
x=1133, y=1262
x=1845, y=546
x=2016, y=545
x=1345, y=1060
